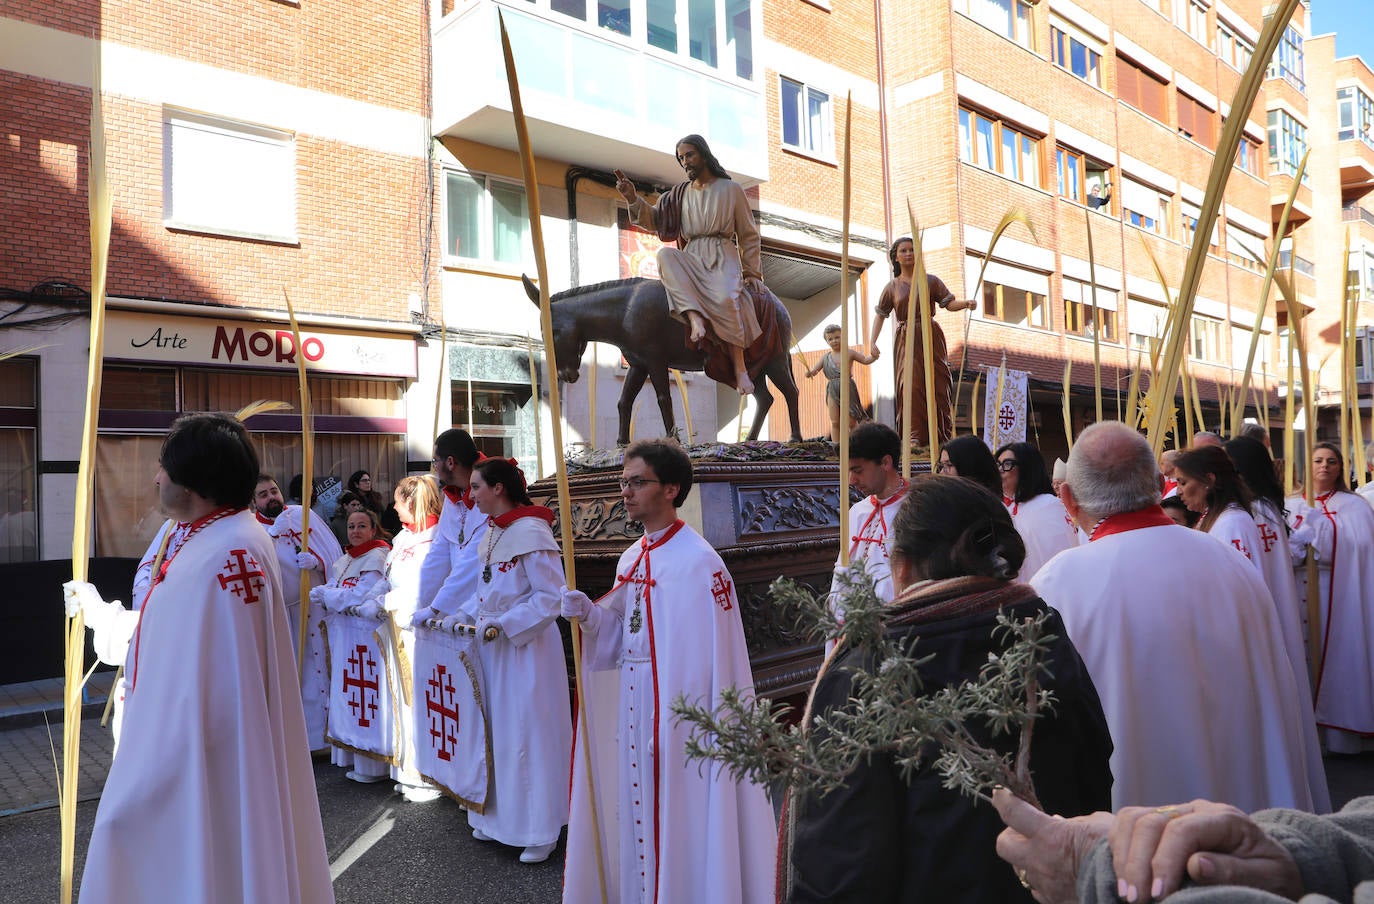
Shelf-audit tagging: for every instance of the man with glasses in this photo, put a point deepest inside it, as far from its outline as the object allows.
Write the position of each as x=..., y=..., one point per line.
x=875, y=457
x=669, y=628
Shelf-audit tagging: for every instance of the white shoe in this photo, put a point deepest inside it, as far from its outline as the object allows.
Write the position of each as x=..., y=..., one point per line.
x=420, y=795
x=365, y=779
x=537, y=853
x=479, y=835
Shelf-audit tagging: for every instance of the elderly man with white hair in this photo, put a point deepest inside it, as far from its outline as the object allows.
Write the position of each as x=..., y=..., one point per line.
x=1181, y=638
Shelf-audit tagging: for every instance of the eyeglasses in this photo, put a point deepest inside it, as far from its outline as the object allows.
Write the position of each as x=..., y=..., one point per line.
x=946, y=466
x=636, y=483
x=1007, y=464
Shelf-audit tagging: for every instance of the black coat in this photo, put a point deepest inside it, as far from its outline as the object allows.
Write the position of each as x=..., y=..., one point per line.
x=879, y=839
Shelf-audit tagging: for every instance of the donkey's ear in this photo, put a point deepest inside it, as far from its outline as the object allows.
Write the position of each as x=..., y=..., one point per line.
x=530, y=289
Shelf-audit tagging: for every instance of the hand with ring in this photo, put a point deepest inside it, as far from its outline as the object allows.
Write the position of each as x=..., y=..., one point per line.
x=1046, y=851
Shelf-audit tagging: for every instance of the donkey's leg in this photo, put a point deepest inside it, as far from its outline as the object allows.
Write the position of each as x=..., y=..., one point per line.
x=763, y=400
x=634, y=382
x=663, y=391
x=780, y=371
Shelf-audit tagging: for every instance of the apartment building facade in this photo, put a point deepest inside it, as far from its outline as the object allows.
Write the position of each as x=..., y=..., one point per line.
x=256, y=151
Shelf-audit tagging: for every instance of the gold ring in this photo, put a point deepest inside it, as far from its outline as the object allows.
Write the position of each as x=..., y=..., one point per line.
x=1171, y=812
x=1021, y=874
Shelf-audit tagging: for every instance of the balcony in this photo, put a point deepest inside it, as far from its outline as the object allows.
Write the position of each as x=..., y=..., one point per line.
x=1352, y=212
x=592, y=96
x=1357, y=164
x=1280, y=184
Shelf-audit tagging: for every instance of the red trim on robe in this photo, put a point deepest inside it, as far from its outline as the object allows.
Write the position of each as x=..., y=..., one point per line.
x=363, y=549
x=524, y=511
x=878, y=506
x=459, y=497
x=1150, y=516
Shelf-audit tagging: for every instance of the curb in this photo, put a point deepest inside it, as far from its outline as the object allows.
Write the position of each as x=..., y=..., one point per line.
x=52, y=715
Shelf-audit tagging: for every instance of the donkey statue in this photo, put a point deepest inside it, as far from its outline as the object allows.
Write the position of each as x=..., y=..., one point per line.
x=632, y=314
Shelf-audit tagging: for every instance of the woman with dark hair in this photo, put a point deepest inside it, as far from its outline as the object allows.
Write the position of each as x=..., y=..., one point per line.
x=1344, y=543
x=1256, y=471
x=895, y=301
x=1209, y=485
x=361, y=484
x=351, y=581
x=886, y=836
x=212, y=796
x=968, y=456
x=1039, y=516
x=525, y=676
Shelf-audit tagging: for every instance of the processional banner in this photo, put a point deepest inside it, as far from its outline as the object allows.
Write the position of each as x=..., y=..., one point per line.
x=1006, y=424
x=452, y=739
x=362, y=694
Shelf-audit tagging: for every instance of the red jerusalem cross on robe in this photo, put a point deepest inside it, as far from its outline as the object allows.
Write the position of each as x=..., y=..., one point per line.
x=362, y=665
x=441, y=736
x=720, y=591
x=242, y=576
x=1268, y=536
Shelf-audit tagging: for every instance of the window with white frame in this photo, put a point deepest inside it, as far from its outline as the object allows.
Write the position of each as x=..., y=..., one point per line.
x=1079, y=318
x=486, y=219
x=1009, y=18
x=1010, y=293
x=1244, y=248
x=718, y=35
x=1233, y=48
x=1189, y=215
x=1191, y=16
x=1144, y=324
x=1240, y=349
x=1287, y=144
x=1145, y=207
x=228, y=177
x=993, y=144
x=808, y=124
x=1356, y=115
x=1205, y=338
x=1075, y=51
x=1287, y=62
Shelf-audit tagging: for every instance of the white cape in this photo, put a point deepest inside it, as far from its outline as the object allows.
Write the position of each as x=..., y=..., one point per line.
x=1045, y=528
x=211, y=797
x=1183, y=643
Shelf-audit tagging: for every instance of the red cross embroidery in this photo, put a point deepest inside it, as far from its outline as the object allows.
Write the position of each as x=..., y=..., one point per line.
x=244, y=574
x=363, y=665
x=1006, y=418
x=349, y=582
x=440, y=734
x=1237, y=544
x=505, y=566
x=720, y=591
x=1268, y=536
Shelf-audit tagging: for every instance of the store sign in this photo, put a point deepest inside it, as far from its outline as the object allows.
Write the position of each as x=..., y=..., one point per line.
x=170, y=339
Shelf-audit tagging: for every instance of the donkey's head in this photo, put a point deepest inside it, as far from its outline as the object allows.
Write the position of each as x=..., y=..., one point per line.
x=568, y=343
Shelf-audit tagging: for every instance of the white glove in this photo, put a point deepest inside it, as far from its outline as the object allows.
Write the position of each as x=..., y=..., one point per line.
x=574, y=605
x=306, y=561
x=421, y=616
x=369, y=609
x=317, y=595
x=78, y=595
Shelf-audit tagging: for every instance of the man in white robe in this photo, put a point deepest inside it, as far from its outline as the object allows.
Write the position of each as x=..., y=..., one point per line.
x=283, y=524
x=1182, y=640
x=875, y=457
x=448, y=577
x=670, y=831
x=211, y=796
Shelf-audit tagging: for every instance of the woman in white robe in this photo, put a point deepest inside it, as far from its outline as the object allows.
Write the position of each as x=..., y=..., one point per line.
x=418, y=503
x=524, y=672
x=1040, y=518
x=1344, y=544
x=351, y=580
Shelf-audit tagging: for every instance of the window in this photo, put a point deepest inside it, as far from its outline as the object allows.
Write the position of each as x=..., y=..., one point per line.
x=1074, y=51
x=1078, y=175
x=1144, y=206
x=497, y=417
x=995, y=145
x=1191, y=16
x=1287, y=63
x=18, y=470
x=1145, y=321
x=1009, y=18
x=807, y=122
x=1244, y=248
x=1240, y=348
x=1234, y=49
x=1142, y=89
x=1189, y=215
x=1287, y=144
x=228, y=177
x=1248, y=156
x=1206, y=339
x=1356, y=115
x=487, y=220
x=710, y=27
x=1289, y=260
x=1011, y=294
x=1196, y=122
x=1078, y=310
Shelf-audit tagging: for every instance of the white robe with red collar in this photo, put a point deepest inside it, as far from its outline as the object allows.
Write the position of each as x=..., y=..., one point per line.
x=1344, y=541
x=870, y=539
x=525, y=677
x=1045, y=528
x=672, y=831
x=1184, y=646
x=211, y=796
x=448, y=577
